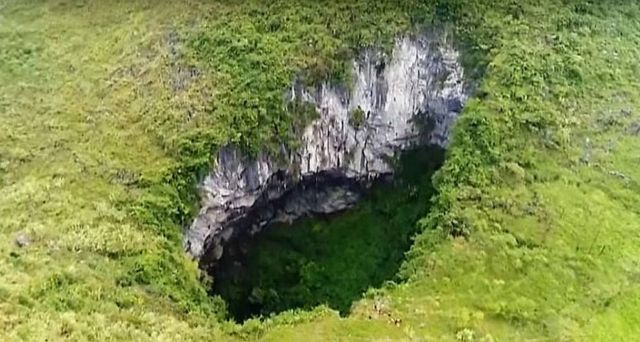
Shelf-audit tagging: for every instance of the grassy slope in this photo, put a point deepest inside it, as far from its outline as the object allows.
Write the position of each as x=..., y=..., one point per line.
x=541, y=184
x=553, y=248
x=73, y=152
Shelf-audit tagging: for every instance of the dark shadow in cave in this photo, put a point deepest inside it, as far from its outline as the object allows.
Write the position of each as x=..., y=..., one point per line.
x=329, y=260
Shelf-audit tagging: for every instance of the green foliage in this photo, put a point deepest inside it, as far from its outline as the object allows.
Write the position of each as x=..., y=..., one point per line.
x=357, y=117
x=528, y=257
x=163, y=272
x=254, y=52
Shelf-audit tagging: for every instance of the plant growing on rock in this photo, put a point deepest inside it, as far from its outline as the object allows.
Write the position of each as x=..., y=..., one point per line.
x=357, y=117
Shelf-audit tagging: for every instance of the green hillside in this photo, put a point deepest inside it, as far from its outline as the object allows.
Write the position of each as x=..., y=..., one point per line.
x=111, y=110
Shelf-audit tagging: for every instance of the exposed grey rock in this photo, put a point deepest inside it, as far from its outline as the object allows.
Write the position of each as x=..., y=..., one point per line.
x=587, y=152
x=619, y=174
x=634, y=129
x=409, y=99
x=22, y=240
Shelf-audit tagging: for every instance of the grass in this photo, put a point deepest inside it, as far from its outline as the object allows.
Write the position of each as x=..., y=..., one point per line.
x=110, y=111
x=75, y=156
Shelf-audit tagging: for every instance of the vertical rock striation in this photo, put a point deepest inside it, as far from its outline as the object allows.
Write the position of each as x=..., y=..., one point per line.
x=397, y=102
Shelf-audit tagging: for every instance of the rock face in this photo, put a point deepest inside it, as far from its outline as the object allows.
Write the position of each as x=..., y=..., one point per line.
x=397, y=102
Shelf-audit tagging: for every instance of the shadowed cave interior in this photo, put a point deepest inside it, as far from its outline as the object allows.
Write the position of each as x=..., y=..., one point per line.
x=332, y=259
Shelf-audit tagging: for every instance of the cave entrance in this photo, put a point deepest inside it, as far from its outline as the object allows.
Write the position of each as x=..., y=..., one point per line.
x=329, y=260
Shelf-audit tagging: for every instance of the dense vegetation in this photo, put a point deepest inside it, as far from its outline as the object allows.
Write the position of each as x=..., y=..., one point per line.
x=110, y=111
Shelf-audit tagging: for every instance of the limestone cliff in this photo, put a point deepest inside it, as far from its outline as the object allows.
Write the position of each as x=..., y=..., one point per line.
x=396, y=102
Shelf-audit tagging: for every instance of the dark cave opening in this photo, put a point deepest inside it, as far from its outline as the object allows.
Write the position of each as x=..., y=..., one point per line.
x=329, y=259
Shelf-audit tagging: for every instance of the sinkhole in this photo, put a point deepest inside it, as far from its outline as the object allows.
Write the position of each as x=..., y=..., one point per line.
x=329, y=259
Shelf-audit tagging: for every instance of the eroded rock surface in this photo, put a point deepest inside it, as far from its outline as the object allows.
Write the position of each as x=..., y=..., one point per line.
x=397, y=102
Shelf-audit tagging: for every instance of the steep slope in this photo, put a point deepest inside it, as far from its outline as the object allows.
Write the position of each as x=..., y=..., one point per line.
x=110, y=113
x=78, y=81
x=399, y=102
